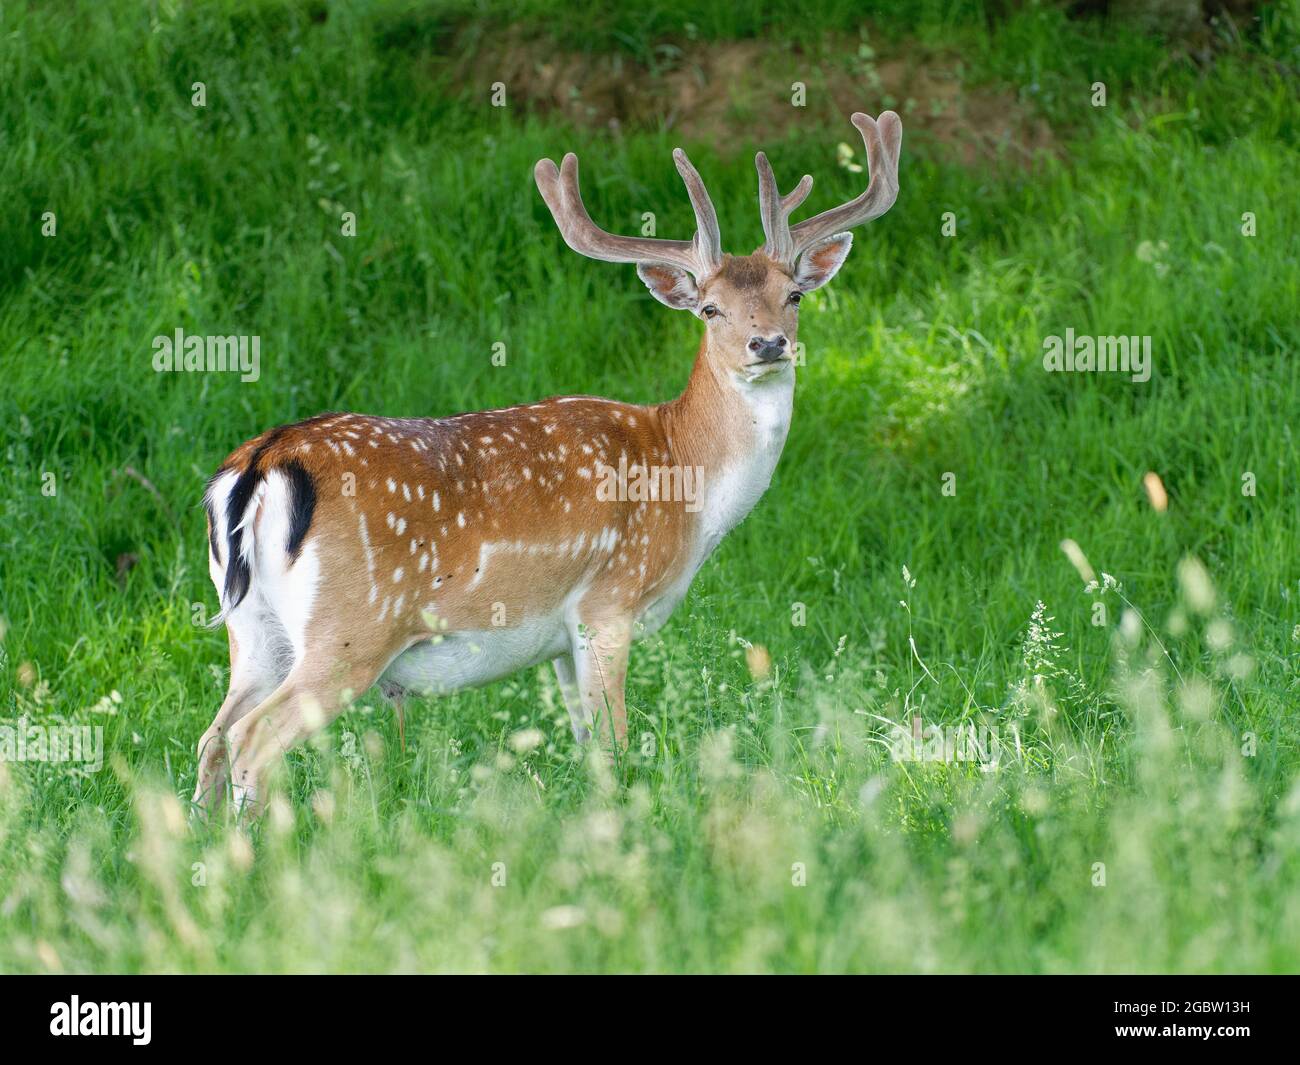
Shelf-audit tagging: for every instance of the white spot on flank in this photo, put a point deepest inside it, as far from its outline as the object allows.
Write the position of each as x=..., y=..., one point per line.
x=460, y=518
x=484, y=550
x=401, y=526
x=392, y=485
x=364, y=535
x=397, y=574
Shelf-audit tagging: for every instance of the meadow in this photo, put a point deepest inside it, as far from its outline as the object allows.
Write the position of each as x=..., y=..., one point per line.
x=1140, y=810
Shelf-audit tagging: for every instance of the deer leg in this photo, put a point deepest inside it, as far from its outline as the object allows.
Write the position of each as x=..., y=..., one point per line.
x=567, y=675
x=213, y=771
x=600, y=653
x=253, y=676
x=310, y=698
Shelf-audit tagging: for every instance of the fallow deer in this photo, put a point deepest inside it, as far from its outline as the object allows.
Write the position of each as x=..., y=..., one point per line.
x=435, y=554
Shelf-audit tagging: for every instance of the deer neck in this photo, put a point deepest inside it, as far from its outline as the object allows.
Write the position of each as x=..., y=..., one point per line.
x=731, y=432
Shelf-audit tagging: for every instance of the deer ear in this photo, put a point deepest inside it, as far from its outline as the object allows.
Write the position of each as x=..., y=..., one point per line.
x=670, y=285
x=822, y=261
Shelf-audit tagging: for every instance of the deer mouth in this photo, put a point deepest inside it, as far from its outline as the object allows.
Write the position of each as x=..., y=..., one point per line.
x=754, y=370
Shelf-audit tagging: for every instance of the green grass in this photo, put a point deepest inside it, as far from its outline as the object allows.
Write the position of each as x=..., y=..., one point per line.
x=1164, y=746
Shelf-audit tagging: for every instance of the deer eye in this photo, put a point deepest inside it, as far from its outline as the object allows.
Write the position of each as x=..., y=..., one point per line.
x=795, y=297
x=709, y=311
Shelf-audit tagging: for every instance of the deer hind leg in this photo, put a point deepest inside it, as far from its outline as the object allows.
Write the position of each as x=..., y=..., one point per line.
x=600, y=646
x=319, y=687
x=255, y=672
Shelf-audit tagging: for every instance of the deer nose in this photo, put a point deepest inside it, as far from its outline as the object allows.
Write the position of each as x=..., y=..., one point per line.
x=768, y=349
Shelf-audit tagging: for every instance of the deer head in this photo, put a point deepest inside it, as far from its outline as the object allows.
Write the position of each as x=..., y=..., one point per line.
x=749, y=303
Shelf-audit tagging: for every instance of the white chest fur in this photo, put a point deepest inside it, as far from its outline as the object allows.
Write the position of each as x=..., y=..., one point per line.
x=730, y=493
